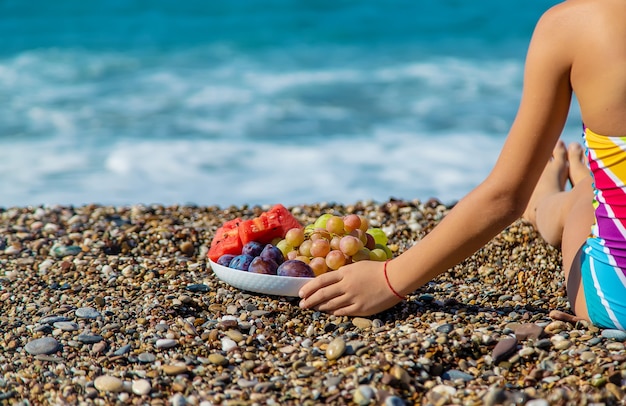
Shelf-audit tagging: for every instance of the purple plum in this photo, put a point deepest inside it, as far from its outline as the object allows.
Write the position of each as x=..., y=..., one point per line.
x=225, y=259
x=272, y=252
x=253, y=248
x=264, y=266
x=294, y=267
x=241, y=262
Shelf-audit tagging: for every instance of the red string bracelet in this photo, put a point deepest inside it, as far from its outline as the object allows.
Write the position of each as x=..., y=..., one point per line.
x=389, y=284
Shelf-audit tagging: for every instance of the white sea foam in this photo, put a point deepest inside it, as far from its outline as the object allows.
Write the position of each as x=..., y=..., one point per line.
x=118, y=129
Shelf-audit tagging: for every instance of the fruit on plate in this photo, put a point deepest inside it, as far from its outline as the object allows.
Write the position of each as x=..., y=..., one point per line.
x=226, y=240
x=294, y=267
x=262, y=265
x=241, y=262
x=253, y=248
x=271, y=224
x=333, y=241
x=236, y=233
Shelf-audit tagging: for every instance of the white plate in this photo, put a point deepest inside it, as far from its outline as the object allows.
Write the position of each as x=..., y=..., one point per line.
x=259, y=283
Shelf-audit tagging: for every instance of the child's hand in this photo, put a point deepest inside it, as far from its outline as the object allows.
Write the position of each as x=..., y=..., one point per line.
x=357, y=289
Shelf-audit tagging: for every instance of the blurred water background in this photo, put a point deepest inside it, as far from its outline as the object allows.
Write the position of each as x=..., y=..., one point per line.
x=256, y=101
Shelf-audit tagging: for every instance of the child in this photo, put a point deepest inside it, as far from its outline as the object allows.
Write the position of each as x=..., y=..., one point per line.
x=579, y=46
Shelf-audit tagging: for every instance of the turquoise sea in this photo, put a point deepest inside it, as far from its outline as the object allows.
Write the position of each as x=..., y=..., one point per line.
x=258, y=102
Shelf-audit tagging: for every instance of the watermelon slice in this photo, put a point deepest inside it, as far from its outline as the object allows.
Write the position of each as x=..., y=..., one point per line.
x=286, y=219
x=234, y=234
x=226, y=240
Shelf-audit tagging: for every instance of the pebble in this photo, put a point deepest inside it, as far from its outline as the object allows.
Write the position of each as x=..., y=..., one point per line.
x=362, y=323
x=454, y=374
x=537, y=402
x=504, y=349
x=125, y=349
x=53, y=319
x=198, y=287
x=528, y=331
x=217, y=359
x=87, y=313
x=146, y=357
x=89, y=338
x=335, y=348
x=363, y=395
x=174, y=369
x=617, y=335
x=136, y=266
x=63, y=251
x=228, y=344
x=66, y=325
x=45, y=345
x=141, y=387
x=165, y=343
x=107, y=383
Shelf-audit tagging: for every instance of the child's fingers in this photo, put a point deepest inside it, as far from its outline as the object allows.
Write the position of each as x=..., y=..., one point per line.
x=320, y=291
x=318, y=283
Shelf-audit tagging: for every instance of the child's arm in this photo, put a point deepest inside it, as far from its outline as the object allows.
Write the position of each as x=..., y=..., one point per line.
x=361, y=288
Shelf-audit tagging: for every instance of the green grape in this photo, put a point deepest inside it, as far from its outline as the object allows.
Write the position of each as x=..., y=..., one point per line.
x=308, y=229
x=304, y=259
x=335, y=259
x=335, y=225
x=284, y=247
x=379, y=235
x=295, y=237
x=320, y=233
x=362, y=255
x=378, y=254
x=321, y=220
x=386, y=249
x=305, y=248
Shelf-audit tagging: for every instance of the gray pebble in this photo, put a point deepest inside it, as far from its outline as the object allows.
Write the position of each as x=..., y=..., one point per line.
x=455, y=374
x=445, y=328
x=53, y=319
x=66, y=325
x=198, y=287
x=45, y=345
x=146, y=357
x=122, y=350
x=165, y=343
x=89, y=339
x=617, y=335
x=594, y=341
x=87, y=313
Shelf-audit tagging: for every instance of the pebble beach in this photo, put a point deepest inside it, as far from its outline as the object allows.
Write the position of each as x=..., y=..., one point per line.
x=105, y=305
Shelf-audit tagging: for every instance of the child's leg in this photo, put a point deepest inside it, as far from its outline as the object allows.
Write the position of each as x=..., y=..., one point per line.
x=564, y=218
x=545, y=209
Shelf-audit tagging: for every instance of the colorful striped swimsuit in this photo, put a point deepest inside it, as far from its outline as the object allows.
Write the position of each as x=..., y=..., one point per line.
x=603, y=259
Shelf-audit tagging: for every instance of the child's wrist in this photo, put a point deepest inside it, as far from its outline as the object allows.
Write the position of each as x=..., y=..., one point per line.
x=391, y=288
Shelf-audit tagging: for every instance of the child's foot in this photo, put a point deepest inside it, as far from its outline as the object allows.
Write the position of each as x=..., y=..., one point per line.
x=552, y=181
x=578, y=169
x=562, y=316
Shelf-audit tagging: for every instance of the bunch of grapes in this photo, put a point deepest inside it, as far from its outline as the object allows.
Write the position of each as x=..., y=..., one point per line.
x=333, y=241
